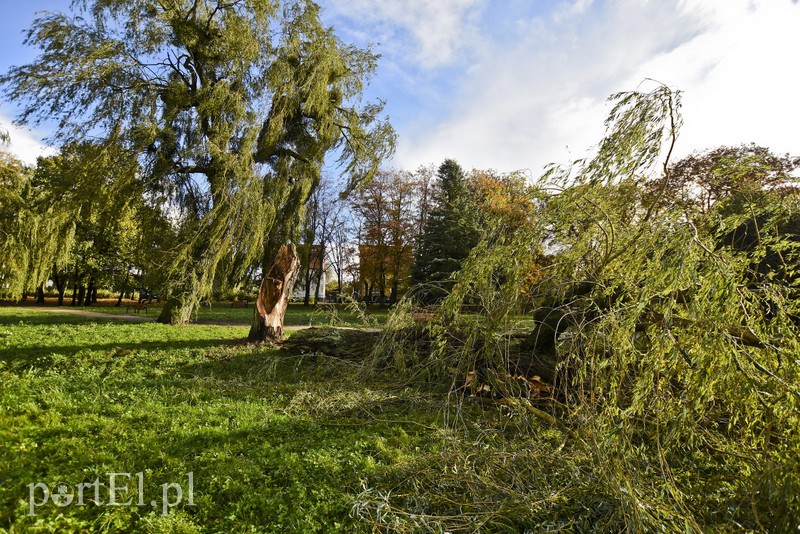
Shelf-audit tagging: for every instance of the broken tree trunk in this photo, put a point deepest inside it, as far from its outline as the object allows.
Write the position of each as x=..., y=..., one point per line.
x=273, y=297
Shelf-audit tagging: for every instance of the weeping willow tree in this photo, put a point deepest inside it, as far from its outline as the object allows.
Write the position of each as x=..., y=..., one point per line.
x=231, y=108
x=667, y=343
x=99, y=189
x=35, y=234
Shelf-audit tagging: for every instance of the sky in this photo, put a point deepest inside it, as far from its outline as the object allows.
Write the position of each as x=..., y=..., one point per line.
x=513, y=85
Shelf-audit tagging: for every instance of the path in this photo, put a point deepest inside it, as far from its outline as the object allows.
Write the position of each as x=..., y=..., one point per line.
x=85, y=313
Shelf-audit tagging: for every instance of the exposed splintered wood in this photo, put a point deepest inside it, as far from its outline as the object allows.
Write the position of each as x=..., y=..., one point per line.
x=273, y=297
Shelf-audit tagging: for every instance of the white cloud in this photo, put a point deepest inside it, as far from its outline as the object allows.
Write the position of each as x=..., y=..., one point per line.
x=739, y=78
x=571, y=9
x=25, y=144
x=439, y=29
x=542, y=98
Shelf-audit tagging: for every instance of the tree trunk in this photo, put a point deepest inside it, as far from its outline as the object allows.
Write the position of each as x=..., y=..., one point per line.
x=61, y=286
x=124, y=287
x=81, y=295
x=318, y=275
x=273, y=297
x=88, y=300
x=76, y=281
x=94, y=294
x=175, y=311
x=317, y=282
x=40, y=294
x=307, y=294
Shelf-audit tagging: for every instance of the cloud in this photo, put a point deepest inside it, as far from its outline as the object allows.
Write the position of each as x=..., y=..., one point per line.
x=578, y=7
x=539, y=96
x=738, y=77
x=25, y=144
x=536, y=93
x=432, y=32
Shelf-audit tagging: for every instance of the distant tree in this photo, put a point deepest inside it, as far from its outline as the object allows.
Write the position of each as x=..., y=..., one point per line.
x=451, y=231
x=92, y=185
x=702, y=179
x=317, y=235
x=385, y=211
x=400, y=232
x=36, y=233
x=342, y=249
x=423, y=192
x=14, y=181
x=370, y=208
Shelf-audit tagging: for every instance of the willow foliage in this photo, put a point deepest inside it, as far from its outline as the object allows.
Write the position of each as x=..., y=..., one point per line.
x=231, y=108
x=673, y=346
x=35, y=233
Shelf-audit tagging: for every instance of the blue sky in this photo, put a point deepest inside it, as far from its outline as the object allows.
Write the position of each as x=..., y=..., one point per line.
x=516, y=84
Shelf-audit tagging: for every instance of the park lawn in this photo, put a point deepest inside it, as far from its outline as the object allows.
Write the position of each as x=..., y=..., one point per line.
x=296, y=314
x=274, y=443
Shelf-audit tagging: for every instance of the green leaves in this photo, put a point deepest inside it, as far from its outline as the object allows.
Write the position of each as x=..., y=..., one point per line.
x=667, y=327
x=636, y=128
x=229, y=107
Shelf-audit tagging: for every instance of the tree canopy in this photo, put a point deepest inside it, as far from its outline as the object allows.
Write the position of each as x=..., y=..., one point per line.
x=229, y=107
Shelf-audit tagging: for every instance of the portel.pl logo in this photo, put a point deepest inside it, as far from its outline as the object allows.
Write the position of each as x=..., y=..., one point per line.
x=120, y=486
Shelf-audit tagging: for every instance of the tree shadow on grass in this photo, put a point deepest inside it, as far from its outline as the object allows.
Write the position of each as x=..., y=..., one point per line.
x=34, y=318
x=41, y=357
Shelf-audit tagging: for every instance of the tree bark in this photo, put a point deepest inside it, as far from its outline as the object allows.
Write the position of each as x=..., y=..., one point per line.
x=319, y=273
x=124, y=287
x=307, y=293
x=76, y=281
x=61, y=286
x=175, y=311
x=273, y=297
x=40, y=294
x=88, y=297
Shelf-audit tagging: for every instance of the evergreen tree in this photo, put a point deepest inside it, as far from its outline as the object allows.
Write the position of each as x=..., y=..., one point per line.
x=451, y=231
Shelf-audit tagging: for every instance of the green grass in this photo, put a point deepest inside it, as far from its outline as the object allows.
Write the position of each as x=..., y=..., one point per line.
x=296, y=314
x=275, y=444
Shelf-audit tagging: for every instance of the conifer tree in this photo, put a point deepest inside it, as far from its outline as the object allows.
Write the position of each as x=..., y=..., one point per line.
x=451, y=231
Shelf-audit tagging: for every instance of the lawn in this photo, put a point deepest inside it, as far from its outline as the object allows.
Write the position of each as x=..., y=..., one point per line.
x=229, y=437
x=273, y=443
x=224, y=313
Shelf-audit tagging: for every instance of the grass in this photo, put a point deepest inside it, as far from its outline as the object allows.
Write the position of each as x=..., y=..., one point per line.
x=275, y=444
x=223, y=313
